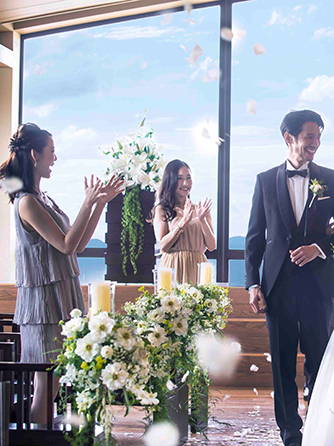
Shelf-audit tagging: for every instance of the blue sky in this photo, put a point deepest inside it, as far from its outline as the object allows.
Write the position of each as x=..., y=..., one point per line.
x=90, y=86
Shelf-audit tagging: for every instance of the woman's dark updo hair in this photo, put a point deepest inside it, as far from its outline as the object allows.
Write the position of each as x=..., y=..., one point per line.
x=169, y=182
x=20, y=163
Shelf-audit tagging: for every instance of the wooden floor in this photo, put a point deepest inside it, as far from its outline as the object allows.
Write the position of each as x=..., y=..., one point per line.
x=239, y=417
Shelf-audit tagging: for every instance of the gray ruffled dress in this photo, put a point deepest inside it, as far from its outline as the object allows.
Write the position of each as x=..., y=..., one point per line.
x=48, y=287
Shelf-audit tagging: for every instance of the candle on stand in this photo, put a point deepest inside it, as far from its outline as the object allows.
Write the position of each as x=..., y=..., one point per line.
x=100, y=297
x=205, y=273
x=165, y=280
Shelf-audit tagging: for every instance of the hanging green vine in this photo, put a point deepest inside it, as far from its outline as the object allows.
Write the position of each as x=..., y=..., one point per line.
x=132, y=236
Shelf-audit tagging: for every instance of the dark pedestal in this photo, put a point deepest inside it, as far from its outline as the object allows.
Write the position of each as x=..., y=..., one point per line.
x=177, y=404
x=114, y=257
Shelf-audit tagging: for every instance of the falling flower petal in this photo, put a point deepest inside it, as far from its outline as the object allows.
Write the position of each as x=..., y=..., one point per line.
x=272, y=394
x=167, y=19
x=258, y=49
x=219, y=356
x=185, y=376
x=212, y=75
x=38, y=70
x=162, y=434
x=195, y=54
x=255, y=391
x=205, y=133
x=226, y=397
x=11, y=184
x=268, y=356
x=183, y=47
x=226, y=34
x=219, y=141
x=191, y=21
x=254, y=368
x=245, y=432
x=188, y=7
x=302, y=406
x=144, y=65
x=251, y=106
x=170, y=385
x=306, y=391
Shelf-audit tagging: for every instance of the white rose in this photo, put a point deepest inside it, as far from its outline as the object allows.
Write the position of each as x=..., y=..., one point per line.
x=76, y=313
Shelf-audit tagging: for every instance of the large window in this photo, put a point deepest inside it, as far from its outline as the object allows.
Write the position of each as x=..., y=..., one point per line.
x=293, y=73
x=91, y=86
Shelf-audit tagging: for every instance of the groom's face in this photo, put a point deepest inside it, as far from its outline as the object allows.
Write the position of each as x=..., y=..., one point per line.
x=304, y=147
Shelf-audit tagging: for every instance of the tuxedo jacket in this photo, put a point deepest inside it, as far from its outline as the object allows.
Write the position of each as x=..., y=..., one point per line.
x=272, y=223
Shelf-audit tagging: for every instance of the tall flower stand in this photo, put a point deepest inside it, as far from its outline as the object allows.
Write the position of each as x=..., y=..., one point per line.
x=177, y=407
x=114, y=257
x=199, y=404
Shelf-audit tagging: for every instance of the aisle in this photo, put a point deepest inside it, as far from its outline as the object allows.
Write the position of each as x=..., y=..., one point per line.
x=250, y=417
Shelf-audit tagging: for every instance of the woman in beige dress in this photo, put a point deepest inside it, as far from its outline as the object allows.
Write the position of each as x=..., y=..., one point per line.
x=183, y=230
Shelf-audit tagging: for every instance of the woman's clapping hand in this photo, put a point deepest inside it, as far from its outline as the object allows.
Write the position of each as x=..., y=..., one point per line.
x=203, y=210
x=112, y=188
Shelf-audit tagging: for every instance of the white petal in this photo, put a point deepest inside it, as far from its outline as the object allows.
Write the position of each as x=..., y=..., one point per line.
x=144, y=65
x=226, y=34
x=219, y=141
x=183, y=47
x=226, y=397
x=255, y=391
x=191, y=21
x=170, y=385
x=258, y=49
x=254, y=368
x=167, y=19
x=272, y=394
x=205, y=133
x=162, y=434
x=251, y=106
x=195, y=54
x=268, y=356
x=212, y=75
x=188, y=7
x=11, y=184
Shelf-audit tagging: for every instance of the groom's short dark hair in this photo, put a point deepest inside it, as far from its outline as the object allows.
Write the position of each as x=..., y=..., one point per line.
x=293, y=122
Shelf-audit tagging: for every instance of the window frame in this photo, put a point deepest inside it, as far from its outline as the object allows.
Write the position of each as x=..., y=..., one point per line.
x=222, y=253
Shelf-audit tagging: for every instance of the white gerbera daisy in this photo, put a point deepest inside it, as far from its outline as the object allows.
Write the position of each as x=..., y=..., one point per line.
x=170, y=304
x=180, y=326
x=100, y=325
x=125, y=338
x=158, y=336
x=114, y=377
x=87, y=348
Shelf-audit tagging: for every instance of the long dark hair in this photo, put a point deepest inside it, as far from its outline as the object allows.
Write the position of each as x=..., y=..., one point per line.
x=20, y=163
x=169, y=182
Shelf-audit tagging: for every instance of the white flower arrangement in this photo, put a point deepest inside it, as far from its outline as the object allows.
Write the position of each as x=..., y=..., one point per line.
x=138, y=159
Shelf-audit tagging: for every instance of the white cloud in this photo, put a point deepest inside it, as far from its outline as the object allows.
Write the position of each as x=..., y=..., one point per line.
x=76, y=133
x=41, y=111
x=205, y=66
x=323, y=33
x=319, y=88
x=292, y=19
x=311, y=9
x=138, y=32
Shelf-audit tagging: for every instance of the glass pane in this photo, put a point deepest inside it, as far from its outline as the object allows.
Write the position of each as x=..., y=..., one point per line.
x=294, y=73
x=89, y=87
x=92, y=269
x=236, y=273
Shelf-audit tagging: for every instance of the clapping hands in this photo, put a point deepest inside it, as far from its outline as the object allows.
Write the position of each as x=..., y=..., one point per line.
x=187, y=213
x=203, y=210
x=98, y=192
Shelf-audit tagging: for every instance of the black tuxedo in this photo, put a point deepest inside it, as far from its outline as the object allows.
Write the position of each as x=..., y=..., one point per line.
x=298, y=299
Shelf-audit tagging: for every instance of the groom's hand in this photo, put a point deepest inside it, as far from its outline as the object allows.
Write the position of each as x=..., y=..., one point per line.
x=257, y=300
x=304, y=254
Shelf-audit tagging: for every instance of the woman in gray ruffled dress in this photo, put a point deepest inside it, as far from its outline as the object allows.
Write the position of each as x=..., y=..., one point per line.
x=47, y=271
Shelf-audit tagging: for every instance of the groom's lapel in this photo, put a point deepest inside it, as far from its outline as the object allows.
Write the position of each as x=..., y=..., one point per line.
x=314, y=174
x=283, y=197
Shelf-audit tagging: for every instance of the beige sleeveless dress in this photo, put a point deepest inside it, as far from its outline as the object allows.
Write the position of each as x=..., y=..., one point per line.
x=187, y=251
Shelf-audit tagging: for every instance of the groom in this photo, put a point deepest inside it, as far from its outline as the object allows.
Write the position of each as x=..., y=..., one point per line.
x=287, y=230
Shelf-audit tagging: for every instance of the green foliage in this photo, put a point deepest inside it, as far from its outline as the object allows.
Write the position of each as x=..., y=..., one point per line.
x=132, y=237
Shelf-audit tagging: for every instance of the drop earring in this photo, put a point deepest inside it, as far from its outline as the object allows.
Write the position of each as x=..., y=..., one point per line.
x=35, y=164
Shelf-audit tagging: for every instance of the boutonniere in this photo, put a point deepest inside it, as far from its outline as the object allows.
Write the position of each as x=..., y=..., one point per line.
x=318, y=189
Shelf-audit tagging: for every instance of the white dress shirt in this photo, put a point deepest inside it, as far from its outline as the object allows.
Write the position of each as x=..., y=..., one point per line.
x=298, y=190
x=298, y=187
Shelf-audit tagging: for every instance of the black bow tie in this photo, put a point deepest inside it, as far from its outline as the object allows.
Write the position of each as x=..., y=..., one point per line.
x=292, y=173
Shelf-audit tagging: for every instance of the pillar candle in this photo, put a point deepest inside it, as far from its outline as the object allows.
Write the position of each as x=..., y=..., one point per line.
x=165, y=279
x=205, y=273
x=100, y=297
